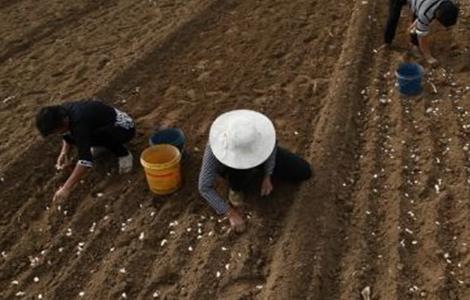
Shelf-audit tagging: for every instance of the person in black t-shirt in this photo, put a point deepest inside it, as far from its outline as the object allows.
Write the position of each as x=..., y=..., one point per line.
x=88, y=125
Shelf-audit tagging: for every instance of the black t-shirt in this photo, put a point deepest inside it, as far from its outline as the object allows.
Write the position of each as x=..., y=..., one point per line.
x=85, y=116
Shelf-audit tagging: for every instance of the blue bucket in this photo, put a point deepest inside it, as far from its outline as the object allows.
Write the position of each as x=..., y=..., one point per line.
x=409, y=77
x=172, y=136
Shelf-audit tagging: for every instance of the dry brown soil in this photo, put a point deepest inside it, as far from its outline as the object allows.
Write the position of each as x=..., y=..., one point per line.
x=389, y=205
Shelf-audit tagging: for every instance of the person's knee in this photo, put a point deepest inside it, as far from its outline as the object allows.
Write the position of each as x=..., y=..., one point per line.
x=302, y=171
x=236, y=185
x=236, y=188
x=306, y=172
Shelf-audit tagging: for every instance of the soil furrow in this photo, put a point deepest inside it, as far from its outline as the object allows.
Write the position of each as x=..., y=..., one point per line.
x=46, y=30
x=315, y=247
x=386, y=208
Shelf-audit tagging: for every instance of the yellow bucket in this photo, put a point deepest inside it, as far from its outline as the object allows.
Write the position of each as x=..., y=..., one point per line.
x=162, y=168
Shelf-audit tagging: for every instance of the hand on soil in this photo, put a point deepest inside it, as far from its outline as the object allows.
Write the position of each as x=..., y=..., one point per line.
x=236, y=221
x=61, y=194
x=366, y=293
x=432, y=61
x=266, y=186
x=385, y=46
x=62, y=161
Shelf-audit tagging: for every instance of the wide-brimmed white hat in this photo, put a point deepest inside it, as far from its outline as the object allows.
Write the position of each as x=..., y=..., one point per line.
x=242, y=139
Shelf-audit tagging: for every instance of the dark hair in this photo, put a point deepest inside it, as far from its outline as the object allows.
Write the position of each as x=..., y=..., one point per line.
x=447, y=13
x=50, y=118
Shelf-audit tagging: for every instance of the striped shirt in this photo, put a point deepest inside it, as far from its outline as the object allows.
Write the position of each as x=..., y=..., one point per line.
x=211, y=167
x=425, y=12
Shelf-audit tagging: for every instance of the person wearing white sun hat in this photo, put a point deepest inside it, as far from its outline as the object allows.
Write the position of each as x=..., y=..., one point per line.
x=242, y=149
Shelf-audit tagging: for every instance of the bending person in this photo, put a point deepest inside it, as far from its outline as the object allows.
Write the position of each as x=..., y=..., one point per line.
x=242, y=149
x=424, y=12
x=86, y=124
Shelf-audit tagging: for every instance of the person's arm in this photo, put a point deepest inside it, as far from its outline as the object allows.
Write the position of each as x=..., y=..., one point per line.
x=64, y=191
x=394, y=12
x=269, y=165
x=206, y=182
x=412, y=27
x=74, y=178
x=85, y=161
x=62, y=159
x=422, y=31
x=65, y=147
x=424, y=47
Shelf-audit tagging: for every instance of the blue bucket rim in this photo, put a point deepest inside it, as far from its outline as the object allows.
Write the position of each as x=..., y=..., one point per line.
x=420, y=68
x=175, y=129
x=156, y=131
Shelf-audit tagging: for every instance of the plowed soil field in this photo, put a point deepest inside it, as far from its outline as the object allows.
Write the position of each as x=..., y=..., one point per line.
x=387, y=211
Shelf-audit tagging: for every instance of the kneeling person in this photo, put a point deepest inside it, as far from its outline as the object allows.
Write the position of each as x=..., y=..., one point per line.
x=86, y=124
x=242, y=149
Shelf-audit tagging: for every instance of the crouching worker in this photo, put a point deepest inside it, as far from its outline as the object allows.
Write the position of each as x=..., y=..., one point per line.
x=424, y=12
x=89, y=126
x=242, y=149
